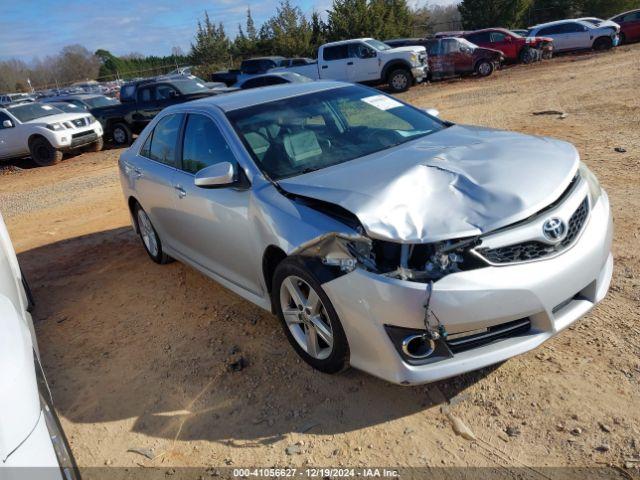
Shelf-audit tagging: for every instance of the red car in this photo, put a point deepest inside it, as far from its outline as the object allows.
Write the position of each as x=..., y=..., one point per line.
x=514, y=47
x=629, y=26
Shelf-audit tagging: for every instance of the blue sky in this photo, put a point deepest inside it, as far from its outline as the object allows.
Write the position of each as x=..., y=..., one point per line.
x=37, y=28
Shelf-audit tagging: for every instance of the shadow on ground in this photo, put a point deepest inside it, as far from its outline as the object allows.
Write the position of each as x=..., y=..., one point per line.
x=124, y=338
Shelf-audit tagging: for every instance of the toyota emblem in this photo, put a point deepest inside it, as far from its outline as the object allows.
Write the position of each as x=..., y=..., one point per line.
x=554, y=229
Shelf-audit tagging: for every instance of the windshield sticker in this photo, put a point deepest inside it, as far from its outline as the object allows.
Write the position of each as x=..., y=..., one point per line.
x=47, y=107
x=382, y=102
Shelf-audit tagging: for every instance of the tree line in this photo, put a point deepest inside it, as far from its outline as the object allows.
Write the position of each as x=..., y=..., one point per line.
x=291, y=33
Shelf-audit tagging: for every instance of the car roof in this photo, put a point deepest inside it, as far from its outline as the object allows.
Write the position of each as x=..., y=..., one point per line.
x=272, y=57
x=624, y=13
x=492, y=29
x=78, y=96
x=560, y=22
x=342, y=42
x=251, y=97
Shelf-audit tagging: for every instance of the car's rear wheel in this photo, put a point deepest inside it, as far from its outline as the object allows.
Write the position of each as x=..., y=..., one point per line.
x=43, y=153
x=484, y=68
x=308, y=318
x=603, y=43
x=121, y=134
x=149, y=237
x=399, y=80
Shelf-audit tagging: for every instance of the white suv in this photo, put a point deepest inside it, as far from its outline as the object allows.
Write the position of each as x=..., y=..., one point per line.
x=570, y=35
x=45, y=132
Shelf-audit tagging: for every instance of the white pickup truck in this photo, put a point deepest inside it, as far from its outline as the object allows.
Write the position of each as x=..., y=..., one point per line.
x=365, y=60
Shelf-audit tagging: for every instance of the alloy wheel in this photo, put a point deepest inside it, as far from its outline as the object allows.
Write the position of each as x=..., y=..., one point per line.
x=399, y=82
x=306, y=317
x=147, y=233
x=485, y=69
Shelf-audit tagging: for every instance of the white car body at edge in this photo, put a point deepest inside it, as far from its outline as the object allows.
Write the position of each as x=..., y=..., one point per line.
x=25, y=415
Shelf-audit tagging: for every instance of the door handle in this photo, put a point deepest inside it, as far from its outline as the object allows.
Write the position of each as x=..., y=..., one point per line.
x=180, y=191
x=324, y=66
x=349, y=63
x=137, y=173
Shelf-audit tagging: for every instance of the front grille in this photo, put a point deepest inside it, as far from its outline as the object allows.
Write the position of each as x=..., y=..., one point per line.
x=463, y=342
x=535, y=250
x=82, y=134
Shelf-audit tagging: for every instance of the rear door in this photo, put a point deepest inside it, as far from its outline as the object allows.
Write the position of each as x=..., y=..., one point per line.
x=152, y=173
x=333, y=65
x=213, y=228
x=561, y=40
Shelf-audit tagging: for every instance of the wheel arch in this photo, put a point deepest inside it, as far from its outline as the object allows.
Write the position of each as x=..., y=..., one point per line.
x=35, y=136
x=393, y=65
x=271, y=258
x=131, y=203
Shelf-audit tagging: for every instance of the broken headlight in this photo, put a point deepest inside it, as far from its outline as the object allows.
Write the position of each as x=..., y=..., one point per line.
x=425, y=262
x=594, y=186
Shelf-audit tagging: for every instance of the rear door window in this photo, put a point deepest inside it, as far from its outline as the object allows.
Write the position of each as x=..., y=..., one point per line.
x=337, y=52
x=145, y=94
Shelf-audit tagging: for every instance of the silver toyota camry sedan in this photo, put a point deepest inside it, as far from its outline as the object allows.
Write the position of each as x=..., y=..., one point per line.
x=382, y=237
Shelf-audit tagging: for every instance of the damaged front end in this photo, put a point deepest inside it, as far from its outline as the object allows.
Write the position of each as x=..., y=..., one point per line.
x=413, y=262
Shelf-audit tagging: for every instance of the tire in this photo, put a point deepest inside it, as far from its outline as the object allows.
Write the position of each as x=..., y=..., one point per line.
x=43, y=153
x=149, y=237
x=399, y=80
x=484, y=68
x=527, y=55
x=121, y=134
x=603, y=43
x=96, y=146
x=316, y=318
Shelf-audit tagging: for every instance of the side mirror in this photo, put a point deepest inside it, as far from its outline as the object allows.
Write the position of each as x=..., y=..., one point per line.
x=219, y=175
x=7, y=124
x=508, y=39
x=433, y=112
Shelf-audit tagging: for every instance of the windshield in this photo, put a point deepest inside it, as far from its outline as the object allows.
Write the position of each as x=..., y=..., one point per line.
x=67, y=107
x=309, y=132
x=377, y=44
x=31, y=111
x=190, y=86
x=101, y=101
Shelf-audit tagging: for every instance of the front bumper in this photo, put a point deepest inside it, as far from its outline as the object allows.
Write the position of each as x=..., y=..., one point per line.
x=552, y=293
x=71, y=139
x=420, y=73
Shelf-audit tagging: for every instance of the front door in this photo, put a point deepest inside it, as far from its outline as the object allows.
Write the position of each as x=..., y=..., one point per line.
x=363, y=64
x=146, y=109
x=213, y=224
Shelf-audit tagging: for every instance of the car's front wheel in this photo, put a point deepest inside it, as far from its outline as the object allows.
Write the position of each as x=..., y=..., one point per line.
x=399, y=80
x=484, y=68
x=603, y=43
x=149, y=237
x=43, y=153
x=308, y=318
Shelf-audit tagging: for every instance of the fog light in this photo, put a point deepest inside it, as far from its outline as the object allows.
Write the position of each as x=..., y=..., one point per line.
x=418, y=347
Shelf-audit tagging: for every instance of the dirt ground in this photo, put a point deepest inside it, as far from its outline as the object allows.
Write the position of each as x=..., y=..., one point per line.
x=137, y=354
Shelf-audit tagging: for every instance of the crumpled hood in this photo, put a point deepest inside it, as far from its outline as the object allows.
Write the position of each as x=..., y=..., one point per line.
x=462, y=181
